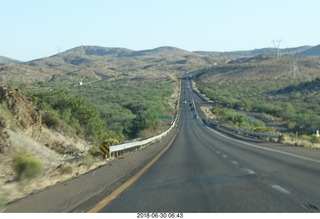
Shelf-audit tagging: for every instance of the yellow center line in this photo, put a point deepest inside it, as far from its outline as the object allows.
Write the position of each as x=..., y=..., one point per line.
x=125, y=185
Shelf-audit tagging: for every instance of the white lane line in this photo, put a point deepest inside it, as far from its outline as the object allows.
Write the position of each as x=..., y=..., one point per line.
x=280, y=189
x=218, y=152
x=225, y=156
x=250, y=171
x=267, y=149
x=235, y=162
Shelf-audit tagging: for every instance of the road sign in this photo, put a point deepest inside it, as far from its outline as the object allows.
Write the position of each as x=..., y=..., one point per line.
x=105, y=150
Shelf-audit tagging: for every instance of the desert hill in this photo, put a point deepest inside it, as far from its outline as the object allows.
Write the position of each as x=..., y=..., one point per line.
x=256, y=52
x=88, y=63
x=6, y=60
x=313, y=51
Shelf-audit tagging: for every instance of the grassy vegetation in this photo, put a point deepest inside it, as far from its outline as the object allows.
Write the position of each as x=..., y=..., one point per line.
x=2, y=203
x=309, y=141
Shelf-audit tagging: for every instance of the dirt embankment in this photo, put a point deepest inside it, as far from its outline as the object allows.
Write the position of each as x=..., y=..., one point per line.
x=21, y=131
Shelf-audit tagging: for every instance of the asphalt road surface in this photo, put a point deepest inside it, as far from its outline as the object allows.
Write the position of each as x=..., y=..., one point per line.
x=208, y=171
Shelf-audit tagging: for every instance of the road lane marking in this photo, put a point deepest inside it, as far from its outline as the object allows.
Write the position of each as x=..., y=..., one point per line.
x=235, y=162
x=132, y=180
x=280, y=189
x=225, y=156
x=267, y=149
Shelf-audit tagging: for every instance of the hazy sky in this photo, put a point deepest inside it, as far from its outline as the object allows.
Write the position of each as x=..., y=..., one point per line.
x=32, y=29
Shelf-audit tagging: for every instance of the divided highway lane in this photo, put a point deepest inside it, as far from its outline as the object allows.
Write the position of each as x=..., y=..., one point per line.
x=205, y=171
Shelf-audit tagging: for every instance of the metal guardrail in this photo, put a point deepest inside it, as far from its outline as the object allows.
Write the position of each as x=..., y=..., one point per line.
x=255, y=134
x=130, y=145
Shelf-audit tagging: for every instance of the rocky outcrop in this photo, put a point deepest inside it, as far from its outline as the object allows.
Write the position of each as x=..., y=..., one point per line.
x=4, y=137
x=26, y=116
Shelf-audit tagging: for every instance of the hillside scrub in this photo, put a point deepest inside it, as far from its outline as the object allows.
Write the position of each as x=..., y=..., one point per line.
x=268, y=86
x=298, y=107
x=61, y=110
x=297, y=112
x=242, y=121
x=121, y=109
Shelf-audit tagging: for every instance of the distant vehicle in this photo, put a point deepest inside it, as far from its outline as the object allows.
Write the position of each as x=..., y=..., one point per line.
x=195, y=116
x=190, y=104
x=184, y=102
x=192, y=108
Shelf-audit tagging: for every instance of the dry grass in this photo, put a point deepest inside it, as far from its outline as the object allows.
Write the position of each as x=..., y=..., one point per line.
x=286, y=139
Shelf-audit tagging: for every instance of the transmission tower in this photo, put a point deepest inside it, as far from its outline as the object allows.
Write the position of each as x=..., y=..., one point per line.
x=276, y=44
x=294, y=69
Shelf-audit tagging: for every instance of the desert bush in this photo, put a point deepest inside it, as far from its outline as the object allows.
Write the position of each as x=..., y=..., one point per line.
x=51, y=119
x=314, y=139
x=95, y=151
x=25, y=165
x=111, y=141
x=66, y=169
x=87, y=160
x=2, y=203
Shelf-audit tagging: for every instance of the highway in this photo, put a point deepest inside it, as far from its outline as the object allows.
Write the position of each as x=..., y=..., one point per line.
x=205, y=170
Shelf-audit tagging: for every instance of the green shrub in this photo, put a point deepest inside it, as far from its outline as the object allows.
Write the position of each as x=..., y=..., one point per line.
x=26, y=166
x=88, y=160
x=111, y=141
x=51, y=119
x=95, y=151
x=2, y=203
x=314, y=139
